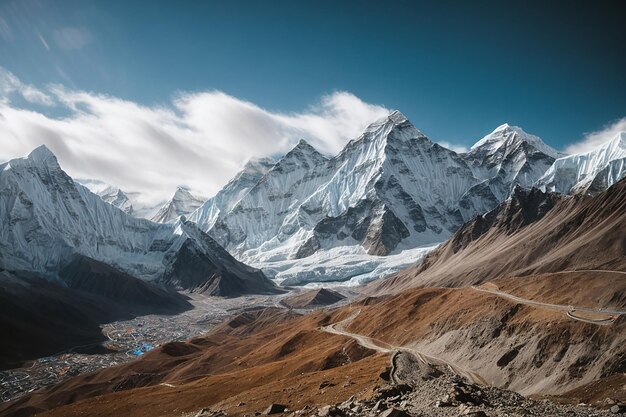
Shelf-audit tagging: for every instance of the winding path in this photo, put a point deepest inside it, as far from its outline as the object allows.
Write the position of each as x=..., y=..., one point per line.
x=384, y=347
x=612, y=315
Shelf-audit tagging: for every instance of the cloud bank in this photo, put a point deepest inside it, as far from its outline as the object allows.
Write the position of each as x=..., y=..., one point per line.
x=595, y=139
x=199, y=140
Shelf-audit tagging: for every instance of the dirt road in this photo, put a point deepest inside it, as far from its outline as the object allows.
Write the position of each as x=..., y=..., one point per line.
x=384, y=347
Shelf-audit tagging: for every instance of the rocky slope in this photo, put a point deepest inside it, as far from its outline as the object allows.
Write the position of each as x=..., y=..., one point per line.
x=40, y=318
x=276, y=356
x=313, y=298
x=47, y=219
x=90, y=276
x=532, y=232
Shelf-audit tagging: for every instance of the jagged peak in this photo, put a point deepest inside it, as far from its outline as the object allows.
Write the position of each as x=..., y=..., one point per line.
x=303, y=147
x=42, y=155
x=382, y=128
x=259, y=162
x=394, y=118
x=183, y=193
x=397, y=117
x=182, y=190
x=303, y=144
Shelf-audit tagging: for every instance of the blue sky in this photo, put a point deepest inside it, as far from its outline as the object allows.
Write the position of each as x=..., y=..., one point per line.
x=457, y=69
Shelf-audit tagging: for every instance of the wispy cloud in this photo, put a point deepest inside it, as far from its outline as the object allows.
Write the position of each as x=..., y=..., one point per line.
x=5, y=30
x=10, y=85
x=199, y=139
x=595, y=139
x=71, y=37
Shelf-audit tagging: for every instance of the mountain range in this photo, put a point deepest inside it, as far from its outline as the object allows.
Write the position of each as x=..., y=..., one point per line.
x=376, y=207
x=388, y=192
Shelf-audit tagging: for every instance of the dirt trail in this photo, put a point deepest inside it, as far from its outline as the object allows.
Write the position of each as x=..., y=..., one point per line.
x=611, y=315
x=384, y=347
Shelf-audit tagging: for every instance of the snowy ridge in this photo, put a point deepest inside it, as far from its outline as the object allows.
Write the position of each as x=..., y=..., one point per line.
x=588, y=172
x=207, y=214
x=390, y=190
x=47, y=218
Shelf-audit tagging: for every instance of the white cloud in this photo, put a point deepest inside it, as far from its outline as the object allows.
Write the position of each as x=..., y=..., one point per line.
x=72, y=37
x=453, y=147
x=595, y=139
x=10, y=84
x=200, y=140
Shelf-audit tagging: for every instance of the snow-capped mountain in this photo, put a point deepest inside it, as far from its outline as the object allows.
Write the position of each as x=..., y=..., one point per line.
x=390, y=191
x=590, y=172
x=207, y=214
x=503, y=159
x=47, y=219
x=268, y=211
x=182, y=203
x=129, y=202
x=392, y=184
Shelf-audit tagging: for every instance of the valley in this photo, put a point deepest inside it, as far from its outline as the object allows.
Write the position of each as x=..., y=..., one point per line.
x=126, y=341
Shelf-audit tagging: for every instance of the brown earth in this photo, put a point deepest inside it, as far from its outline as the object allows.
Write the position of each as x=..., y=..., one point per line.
x=275, y=355
x=531, y=234
x=313, y=298
x=266, y=354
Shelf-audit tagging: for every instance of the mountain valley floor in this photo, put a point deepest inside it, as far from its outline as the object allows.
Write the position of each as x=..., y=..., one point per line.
x=410, y=353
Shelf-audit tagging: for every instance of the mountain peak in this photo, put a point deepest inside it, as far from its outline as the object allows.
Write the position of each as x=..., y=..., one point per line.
x=303, y=144
x=182, y=203
x=397, y=117
x=505, y=126
x=507, y=135
x=303, y=147
x=181, y=192
x=43, y=155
